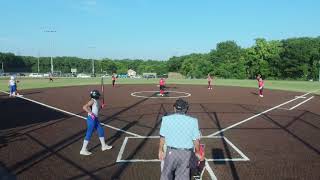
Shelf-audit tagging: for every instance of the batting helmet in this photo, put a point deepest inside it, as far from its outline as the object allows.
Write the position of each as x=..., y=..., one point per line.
x=181, y=105
x=95, y=94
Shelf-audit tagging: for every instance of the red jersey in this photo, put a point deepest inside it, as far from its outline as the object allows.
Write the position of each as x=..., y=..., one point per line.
x=161, y=82
x=261, y=83
x=113, y=78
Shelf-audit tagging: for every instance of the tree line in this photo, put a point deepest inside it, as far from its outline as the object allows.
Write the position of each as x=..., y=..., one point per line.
x=293, y=58
x=13, y=63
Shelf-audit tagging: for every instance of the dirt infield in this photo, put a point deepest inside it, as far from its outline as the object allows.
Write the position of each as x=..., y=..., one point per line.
x=270, y=142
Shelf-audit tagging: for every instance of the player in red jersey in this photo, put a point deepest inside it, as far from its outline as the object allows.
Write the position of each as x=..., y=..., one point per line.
x=261, y=86
x=162, y=84
x=209, y=81
x=114, y=77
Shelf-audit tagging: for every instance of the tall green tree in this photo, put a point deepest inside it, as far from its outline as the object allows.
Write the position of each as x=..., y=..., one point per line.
x=196, y=66
x=264, y=58
x=108, y=66
x=228, y=60
x=175, y=63
x=300, y=58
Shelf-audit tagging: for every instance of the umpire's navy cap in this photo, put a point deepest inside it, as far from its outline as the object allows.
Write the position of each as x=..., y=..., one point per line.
x=181, y=104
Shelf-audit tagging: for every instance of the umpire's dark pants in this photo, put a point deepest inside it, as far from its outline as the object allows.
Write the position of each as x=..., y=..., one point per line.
x=176, y=165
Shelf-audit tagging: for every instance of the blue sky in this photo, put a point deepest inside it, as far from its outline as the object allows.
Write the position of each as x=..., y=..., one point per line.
x=148, y=29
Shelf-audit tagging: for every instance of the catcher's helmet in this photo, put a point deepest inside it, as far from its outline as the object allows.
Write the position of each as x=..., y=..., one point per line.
x=181, y=105
x=95, y=94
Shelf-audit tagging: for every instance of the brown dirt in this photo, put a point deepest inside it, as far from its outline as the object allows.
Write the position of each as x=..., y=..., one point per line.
x=40, y=143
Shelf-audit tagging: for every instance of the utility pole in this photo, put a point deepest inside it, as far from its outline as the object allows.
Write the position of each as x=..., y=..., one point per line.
x=38, y=62
x=92, y=66
x=92, y=59
x=51, y=61
x=51, y=58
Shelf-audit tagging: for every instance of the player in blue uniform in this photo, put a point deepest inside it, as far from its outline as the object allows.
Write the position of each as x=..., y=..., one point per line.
x=13, y=87
x=92, y=108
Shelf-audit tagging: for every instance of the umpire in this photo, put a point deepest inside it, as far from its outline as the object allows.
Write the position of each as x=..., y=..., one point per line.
x=180, y=133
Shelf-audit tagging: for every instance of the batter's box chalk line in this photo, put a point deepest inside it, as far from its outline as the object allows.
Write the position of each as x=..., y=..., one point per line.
x=120, y=154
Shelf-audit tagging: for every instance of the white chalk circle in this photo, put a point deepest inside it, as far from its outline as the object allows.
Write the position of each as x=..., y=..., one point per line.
x=155, y=94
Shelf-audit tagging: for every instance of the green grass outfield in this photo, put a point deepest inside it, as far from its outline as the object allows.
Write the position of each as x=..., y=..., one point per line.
x=32, y=83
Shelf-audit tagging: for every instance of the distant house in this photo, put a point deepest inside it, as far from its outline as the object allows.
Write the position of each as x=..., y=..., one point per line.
x=131, y=73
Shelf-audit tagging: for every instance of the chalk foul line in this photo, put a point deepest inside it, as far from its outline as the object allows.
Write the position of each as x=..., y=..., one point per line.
x=73, y=114
x=252, y=117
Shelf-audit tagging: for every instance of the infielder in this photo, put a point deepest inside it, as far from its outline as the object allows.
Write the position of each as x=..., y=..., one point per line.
x=261, y=86
x=162, y=84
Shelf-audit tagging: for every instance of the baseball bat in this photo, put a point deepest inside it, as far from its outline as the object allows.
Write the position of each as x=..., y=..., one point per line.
x=102, y=90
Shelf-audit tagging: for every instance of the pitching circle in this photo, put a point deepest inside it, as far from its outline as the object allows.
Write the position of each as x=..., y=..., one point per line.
x=144, y=94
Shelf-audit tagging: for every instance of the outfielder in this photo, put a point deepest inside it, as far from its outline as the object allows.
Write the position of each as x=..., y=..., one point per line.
x=209, y=81
x=114, y=77
x=50, y=78
x=92, y=108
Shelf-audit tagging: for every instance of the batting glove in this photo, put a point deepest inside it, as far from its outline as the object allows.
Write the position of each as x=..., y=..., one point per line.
x=93, y=117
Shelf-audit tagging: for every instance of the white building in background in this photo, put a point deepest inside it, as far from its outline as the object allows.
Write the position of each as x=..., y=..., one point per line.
x=132, y=73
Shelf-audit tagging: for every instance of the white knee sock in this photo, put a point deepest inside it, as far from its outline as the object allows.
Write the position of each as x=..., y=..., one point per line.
x=103, y=143
x=85, y=144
